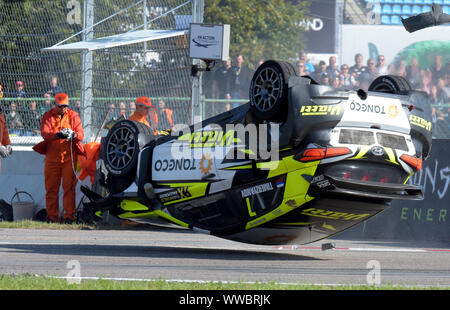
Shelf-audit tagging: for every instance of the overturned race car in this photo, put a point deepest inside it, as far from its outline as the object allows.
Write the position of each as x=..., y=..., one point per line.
x=298, y=163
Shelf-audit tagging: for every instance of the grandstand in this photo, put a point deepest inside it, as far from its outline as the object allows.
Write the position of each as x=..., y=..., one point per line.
x=390, y=12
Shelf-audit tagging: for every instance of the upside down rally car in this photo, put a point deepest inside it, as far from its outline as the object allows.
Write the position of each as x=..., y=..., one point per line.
x=298, y=163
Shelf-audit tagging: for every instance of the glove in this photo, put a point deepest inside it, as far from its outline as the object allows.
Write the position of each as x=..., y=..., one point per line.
x=3, y=151
x=9, y=149
x=67, y=134
x=70, y=135
x=61, y=135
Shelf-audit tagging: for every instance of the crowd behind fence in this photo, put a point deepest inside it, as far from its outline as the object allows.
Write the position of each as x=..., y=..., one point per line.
x=23, y=113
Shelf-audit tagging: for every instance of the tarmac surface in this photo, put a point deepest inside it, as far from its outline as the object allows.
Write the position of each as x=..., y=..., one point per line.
x=175, y=254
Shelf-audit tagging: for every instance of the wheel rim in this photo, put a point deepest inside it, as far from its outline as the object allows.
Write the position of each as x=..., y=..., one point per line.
x=383, y=87
x=267, y=89
x=120, y=148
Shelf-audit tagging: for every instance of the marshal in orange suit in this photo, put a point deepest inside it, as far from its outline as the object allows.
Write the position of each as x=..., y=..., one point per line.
x=5, y=143
x=61, y=129
x=143, y=108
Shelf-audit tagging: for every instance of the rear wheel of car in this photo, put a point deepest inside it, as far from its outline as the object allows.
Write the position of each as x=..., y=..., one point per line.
x=122, y=144
x=390, y=84
x=269, y=90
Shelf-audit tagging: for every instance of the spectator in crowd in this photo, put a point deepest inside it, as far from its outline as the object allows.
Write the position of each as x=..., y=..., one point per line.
x=436, y=98
x=47, y=106
x=14, y=120
x=400, y=69
x=358, y=67
x=222, y=80
x=241, y=77
x=227, y=107
x=77, y=107
x=113, y=114
x=122, y=109
x=32, y=119
x=426, y=80
x=332, y=68
x=321, y=71
x=441, y=91
x=336, y=82
x=447, y=83
x=54, y=87
x=438, y=113
x=164, y=116
x=413, y=74
x=347, y=80
x=19, y=92
x=300, y=68
x=131, y=107
x=1, y=90
x=366, y=77
x=324, y=79
x=437, y=70
x=309, y=68
x=382, y=69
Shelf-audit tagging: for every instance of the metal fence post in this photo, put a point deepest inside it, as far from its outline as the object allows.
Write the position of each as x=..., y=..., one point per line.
x=86, y=69
x=197, y=17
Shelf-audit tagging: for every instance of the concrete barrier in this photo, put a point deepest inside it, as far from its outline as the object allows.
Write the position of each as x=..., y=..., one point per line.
x=24, y=171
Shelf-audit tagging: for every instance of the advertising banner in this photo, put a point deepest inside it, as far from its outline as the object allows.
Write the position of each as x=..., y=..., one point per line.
x=321, y=28
x=425, y=220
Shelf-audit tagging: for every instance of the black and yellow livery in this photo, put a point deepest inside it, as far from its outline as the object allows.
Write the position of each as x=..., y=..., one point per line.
x=337, y=158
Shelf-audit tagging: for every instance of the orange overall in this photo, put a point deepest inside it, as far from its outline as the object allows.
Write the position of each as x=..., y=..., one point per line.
x=58, y=161
x=139, y=118
x=4, y=136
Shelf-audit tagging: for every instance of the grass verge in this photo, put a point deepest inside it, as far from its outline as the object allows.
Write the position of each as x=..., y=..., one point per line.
x=32, y=282
x=28, y=224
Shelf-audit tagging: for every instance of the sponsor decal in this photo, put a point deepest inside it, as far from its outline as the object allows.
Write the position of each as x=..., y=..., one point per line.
x=279, y=183
x=257, y=189
x=308, y=110
x=175, y=164
x=169, y=196
x=418, y=121
x=392, y=111
x=368, y=108
x=320, y=181
x=333, y=215
x=206, y=164
x=210, y=138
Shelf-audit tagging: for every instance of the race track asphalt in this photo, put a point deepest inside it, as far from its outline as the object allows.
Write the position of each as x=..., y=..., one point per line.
x=171, y=254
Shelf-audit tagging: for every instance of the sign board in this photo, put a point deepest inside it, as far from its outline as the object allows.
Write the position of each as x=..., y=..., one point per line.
x=209, y=42
x=321, y=27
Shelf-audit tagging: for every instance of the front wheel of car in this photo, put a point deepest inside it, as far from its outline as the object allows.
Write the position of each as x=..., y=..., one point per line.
x=269, y=90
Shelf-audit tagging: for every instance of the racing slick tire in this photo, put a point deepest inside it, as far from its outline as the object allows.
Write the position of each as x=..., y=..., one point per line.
x=269, y=90
x=122, y=144
x=390, y=84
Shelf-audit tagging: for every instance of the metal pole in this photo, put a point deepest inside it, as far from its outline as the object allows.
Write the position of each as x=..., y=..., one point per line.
x=86, y=70
x=197, y=17
x=144, y=13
